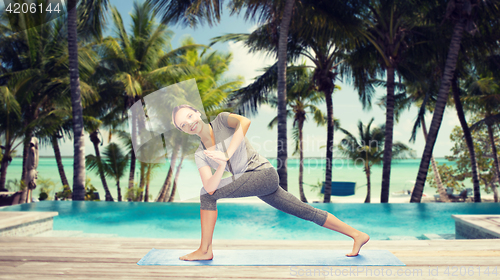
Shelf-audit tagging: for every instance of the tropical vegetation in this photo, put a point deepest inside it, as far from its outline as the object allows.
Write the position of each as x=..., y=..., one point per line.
x=64, y=78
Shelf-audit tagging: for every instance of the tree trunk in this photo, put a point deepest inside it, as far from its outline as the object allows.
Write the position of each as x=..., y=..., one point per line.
x=468, y=139
x=132, y=171
x=490, y=184
x=443, y=196
x=76, y=102
x=301, y=163
x=60, y=167
x=493, y=187
x=495, y=192
x=118, y=190
x=166, y=185
x=368, y=184
x=495, y=160
x=148, y=174
x=6, y=158
x=142, y=176
x=4, y=164
x=329, y=145
x=95, y=140
x=451, y=63
x=132, y=164
x=174, y=187
x=142, y=182
x=389, y=128
x=282, y=98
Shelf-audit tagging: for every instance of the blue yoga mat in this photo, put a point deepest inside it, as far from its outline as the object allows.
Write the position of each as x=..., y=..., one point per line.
x=275, y=257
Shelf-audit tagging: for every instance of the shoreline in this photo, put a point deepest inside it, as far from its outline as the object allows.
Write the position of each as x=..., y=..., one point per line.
x=294, y=158
x=376, y=200
x=486, y=199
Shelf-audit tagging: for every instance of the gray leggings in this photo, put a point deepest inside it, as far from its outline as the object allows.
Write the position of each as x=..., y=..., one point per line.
x=263, y=183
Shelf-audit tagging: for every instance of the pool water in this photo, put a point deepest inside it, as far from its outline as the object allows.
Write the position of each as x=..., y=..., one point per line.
x=254, y=220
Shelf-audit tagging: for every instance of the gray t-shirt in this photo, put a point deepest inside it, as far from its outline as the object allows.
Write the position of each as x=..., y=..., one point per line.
x=245, y=158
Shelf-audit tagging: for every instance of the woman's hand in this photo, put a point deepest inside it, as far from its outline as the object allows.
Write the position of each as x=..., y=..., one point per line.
x=217, y=156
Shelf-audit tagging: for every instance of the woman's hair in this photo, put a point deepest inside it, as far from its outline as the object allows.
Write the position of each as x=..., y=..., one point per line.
x=177, y=108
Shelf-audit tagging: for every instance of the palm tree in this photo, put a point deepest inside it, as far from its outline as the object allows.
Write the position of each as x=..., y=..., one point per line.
x=91, y=14
x=10, y=127
x=213, y=92
x=140, y=62
x=484, y=98
x=176, y=177
x=467, y=134
x=391, y=29
x=78, y=140
x=97, y=110
x=463, y=13
x=282, y=102
x=60, y=119
x=192, y=12
x=324, y=45
x=55, y=126
x=10, y=109
x=146, y=179
x=114, y=165
x=422, y=94
x=368, y=148
x=96, y=162
x=104, y=113
x=48, y=78
x=40, y=60
x=127, y=142
x=433, y=68
x=57, y=154
x=95, y=140
x=189, y=146
x=87, y=20
x=145, y=169
x=480, y=48
x=176, y=144
x=302, y=97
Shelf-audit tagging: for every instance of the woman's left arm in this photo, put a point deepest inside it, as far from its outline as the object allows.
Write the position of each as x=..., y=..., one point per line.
x=241, y=125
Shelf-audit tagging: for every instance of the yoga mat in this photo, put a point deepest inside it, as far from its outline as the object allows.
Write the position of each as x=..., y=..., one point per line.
x=275, y=257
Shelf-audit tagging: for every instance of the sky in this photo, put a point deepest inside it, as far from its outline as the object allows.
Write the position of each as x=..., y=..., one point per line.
x=346, y=105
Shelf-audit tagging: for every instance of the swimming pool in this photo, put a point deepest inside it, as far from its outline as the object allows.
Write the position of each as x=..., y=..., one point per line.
x=253, y=220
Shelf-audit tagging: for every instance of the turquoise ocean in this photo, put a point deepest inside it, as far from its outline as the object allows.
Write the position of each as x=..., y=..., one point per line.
x=403, y=175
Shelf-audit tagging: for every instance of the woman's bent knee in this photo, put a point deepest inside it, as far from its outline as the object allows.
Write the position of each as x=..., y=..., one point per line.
x=207, y=202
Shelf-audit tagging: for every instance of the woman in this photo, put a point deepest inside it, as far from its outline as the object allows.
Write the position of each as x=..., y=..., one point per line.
x=253, y=175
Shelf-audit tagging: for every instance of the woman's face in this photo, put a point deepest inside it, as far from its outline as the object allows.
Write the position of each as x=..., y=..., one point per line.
x=189, y=121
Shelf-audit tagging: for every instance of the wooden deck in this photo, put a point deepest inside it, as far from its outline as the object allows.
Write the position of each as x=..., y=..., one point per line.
x=116, y=258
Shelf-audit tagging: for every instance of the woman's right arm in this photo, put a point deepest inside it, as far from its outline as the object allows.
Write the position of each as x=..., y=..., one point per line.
x=211, y=182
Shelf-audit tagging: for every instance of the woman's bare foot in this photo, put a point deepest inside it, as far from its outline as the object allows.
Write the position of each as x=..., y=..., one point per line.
x=198, y=255
x=359, y=241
